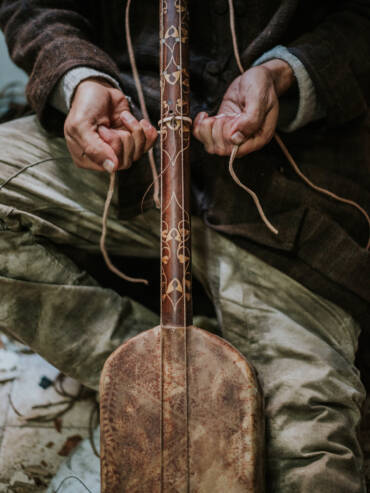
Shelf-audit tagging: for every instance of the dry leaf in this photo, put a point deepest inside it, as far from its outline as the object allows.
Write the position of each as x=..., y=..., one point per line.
x=36, y=471
x=21, y=487
x=69, y=445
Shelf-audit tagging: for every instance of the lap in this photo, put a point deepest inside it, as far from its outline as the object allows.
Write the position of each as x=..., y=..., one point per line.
x=302, y=345
x=303, y=348
x=56, y=198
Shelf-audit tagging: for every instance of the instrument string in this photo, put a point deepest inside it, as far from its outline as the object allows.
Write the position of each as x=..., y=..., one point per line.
x=185, y=266
x=161, y=55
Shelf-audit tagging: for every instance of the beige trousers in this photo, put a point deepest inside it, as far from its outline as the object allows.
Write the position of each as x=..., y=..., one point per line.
x=302, y=345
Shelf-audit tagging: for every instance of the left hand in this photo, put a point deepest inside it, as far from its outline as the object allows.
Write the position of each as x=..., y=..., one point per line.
x=248, y=113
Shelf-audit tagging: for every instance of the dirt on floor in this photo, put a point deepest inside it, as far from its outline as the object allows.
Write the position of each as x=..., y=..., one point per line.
x=44, y=416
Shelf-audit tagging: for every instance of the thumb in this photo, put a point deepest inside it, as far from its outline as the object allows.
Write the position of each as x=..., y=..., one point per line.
x=238, y=138
x=234, y=130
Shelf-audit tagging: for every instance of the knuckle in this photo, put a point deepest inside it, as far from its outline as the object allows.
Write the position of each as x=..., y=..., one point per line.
x=117, y=148
x=68, y=128
x=127, y=142
x=196, y=132
x=219, y=150
x=207, y=125
x=136, y=127
x=90, y=151
x=73, y=124
x=139, y=136
x=153, y=138
x=269, y=135
x=259, y=146
x=253, y=122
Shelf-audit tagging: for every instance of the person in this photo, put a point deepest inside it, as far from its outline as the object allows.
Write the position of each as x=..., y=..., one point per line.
x=294, y=302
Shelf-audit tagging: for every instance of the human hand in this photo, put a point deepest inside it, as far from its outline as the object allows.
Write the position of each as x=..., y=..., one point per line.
x=100, y=131
x=248, y=113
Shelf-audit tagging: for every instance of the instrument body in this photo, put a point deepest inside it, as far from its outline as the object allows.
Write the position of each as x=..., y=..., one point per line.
x=181, y=409
x=218, y=448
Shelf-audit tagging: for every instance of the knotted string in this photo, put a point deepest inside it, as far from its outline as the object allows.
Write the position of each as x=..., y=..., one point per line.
x=285, y=151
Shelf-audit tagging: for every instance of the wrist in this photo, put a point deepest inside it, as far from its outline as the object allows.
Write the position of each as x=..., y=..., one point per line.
x=91, y=82
x=101, y=81
x=281, y=73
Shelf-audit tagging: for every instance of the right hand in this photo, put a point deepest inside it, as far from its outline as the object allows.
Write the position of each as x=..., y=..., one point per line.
x=100, y=131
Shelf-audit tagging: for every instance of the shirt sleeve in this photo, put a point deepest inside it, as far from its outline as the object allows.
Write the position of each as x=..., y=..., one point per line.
x=304, y=107
x=63, y=92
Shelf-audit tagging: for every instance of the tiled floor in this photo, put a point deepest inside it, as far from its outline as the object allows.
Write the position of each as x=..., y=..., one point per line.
x=29, y=451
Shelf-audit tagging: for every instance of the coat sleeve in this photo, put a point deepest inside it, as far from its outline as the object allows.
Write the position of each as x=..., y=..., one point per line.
x=336, y=54
x=47, y=38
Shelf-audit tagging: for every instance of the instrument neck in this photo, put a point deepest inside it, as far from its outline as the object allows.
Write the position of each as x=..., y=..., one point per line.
x=176, y=300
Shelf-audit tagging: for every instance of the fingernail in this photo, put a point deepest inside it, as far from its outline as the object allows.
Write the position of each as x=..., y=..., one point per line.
x=237, y=138
x=108, y=165
x=126, y=115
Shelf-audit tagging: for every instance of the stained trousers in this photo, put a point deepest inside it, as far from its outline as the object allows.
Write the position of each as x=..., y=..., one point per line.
x=302, y=345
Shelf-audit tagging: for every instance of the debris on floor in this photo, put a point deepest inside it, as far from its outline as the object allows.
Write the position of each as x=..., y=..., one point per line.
x=81, y=471
x=70, y=444
x=49, y=440
x=43, y=417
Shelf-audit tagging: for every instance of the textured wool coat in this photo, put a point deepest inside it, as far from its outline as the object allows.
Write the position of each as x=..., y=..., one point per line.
x=320, y=242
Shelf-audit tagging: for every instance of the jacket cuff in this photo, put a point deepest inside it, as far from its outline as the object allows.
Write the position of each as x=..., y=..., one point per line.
x=62, y=95
x=305, y=107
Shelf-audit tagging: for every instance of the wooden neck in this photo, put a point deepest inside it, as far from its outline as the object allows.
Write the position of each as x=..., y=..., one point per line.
x=176, y=302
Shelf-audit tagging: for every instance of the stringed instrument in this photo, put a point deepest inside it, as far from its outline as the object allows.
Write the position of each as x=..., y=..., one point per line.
x=181, y=409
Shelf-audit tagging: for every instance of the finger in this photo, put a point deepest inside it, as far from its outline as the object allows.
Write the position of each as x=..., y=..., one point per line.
x=79, y=158
x=251, y=120
x=219, y=144
x=230, y=139
x=123, y=140
x=247, y=124
x=205, y=134
x=196, y=124
x=128, y=146
x=91, y=146
x=111, y=137
x=137, y=133
x=151, y=134
x=262, y=138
